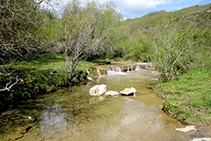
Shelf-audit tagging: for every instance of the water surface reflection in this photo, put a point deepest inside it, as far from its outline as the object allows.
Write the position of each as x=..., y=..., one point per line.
x=70, y=114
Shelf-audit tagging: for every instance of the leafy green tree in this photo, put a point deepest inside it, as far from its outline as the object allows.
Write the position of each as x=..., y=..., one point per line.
x=83, y=29
x=136, y=48
x=114, y=41
x=50, y=32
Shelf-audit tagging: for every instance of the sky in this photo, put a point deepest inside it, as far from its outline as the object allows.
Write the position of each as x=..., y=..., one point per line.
x=137, y=8
x=131, y=9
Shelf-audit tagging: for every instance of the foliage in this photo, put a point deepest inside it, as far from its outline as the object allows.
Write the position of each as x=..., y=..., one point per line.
x=50, y=33
x=20, y=21
x=136, y=48
x=172, y=47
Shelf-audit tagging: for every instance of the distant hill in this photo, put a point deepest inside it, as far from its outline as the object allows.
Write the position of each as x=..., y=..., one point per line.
x=198, y=14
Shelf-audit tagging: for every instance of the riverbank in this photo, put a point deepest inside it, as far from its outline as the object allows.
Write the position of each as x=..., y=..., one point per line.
x=39, y=75
x=188, y=99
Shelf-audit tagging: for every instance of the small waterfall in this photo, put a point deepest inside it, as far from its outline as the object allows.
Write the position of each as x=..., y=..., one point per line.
x=111, y=71
x=118, y=69
x=105, y=72
x=98, y=72
x=115, y=71
x=128, y=69
x=131, y=68
x=138, y=68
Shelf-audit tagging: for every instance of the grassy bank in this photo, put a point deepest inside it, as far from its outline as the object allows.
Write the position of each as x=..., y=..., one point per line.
x=188, y=98
x=40, y=75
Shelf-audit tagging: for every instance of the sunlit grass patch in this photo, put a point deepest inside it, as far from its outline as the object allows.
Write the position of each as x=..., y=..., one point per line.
x=54, y=62
x=189, y=98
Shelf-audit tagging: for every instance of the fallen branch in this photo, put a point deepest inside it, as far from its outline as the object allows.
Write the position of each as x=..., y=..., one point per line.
x=10, y=84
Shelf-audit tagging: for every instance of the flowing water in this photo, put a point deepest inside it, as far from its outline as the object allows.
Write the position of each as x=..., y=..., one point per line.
x=71, y=115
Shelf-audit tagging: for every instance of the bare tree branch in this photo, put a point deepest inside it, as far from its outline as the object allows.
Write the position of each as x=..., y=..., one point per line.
x=10, y=84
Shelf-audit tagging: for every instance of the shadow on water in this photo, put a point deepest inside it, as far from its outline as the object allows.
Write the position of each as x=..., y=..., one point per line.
x=70, y=114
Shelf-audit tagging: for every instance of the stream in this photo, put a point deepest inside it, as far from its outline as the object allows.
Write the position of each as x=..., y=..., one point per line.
x=70, y=114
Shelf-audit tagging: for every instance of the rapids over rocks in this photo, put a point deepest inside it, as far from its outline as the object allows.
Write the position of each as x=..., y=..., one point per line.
x=70, y=114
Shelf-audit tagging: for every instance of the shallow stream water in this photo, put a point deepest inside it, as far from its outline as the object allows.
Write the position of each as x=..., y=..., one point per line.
x=71, y=115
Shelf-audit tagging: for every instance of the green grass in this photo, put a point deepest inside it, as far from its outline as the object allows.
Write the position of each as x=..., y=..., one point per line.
x=54, y=62
x=102, y=62
x=188, y=98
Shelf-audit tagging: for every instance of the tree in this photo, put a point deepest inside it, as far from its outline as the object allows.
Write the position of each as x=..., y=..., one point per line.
x=83, y=29
x=172, y=47
x=115, y=41
x=19, y=24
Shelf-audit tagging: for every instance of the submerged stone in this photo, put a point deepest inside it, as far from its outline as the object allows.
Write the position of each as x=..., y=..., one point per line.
x=28, y=120
x=94, y=100
x=201, y=139
x=18, y=134
x=97, y=90
x=129, y=91
x=128, y=99
x=111, y=93
x=186, y=129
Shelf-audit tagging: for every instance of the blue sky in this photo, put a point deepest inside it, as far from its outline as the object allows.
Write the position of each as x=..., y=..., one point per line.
x=137, y=8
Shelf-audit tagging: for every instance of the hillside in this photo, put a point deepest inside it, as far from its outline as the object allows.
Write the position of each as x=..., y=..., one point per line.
x=199, y=14
x=194, y=21
x=180, y=46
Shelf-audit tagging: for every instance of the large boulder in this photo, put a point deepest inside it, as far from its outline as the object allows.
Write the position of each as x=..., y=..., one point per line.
x=111, y=93
x=97, y=90
x=129, y=91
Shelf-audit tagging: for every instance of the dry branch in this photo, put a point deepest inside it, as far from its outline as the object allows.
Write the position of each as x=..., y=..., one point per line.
x=10, y=84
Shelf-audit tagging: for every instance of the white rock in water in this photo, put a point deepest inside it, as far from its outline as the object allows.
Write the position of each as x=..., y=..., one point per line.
x=97, y=90
x=90, y=79
x=111, y=93
x=201, y=139
x=128, y=91
x=186, y=129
